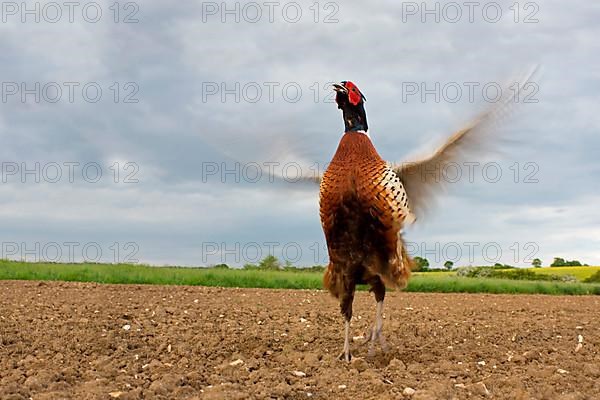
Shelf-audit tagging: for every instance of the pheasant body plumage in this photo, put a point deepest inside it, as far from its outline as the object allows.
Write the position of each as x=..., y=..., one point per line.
x=362, y=206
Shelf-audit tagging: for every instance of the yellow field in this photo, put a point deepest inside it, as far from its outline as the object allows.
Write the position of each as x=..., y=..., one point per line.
x=580, y=273
x=435, y=273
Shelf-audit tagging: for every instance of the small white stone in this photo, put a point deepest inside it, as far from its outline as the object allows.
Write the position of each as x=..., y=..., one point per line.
x=482, y=363
x=408, y=391
x=482, y=388
x=236, y=363
x=169, y=348
x=299, y=374
x=562, y=371
x=126, y=327
x=579, y=339
x=303, y=320
x=342, y=387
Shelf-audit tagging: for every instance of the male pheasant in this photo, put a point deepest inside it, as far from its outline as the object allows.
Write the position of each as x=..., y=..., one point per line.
x=365, y=201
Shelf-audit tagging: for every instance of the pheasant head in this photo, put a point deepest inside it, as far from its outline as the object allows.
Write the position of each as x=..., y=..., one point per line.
x=352, y=103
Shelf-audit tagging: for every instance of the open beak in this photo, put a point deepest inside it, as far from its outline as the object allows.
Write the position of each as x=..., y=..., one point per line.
x=339, y=88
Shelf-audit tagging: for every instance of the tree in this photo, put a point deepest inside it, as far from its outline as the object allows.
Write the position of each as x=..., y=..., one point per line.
x=270, y=262
x=561, y=262
x=537, y=263
x=558, y=262
x=421, y=264
x=448, y=265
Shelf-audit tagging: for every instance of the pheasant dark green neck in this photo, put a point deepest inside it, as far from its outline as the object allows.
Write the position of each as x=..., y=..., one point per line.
x=355, y=118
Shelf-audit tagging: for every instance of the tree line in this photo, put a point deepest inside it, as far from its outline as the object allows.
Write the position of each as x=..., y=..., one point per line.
x=272, y=263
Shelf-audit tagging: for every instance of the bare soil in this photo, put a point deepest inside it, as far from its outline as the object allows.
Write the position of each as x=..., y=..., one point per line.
x=89, y=341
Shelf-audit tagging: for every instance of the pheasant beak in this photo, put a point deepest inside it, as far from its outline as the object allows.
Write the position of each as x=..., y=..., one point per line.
x=339, y=88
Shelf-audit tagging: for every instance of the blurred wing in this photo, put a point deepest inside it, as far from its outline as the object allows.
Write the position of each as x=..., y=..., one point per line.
x=278, y=157
x=292, y=166
x=310, y=178
x=423, y=178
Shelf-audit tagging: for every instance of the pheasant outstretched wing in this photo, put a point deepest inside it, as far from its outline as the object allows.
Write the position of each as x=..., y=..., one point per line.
x=423, y=178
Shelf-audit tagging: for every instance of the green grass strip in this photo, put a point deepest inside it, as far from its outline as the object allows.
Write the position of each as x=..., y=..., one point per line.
x=143, y=274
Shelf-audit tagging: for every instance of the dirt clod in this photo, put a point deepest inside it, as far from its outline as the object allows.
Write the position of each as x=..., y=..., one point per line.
x=359, y=364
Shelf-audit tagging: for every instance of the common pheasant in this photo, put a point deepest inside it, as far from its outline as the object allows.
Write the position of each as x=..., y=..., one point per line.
x=365, y=202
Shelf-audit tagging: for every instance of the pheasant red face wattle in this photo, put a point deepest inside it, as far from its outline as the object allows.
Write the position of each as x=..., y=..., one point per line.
x=354, y=95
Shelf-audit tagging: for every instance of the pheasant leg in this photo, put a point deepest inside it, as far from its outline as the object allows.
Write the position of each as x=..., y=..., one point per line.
x=345, y=354
x=376, y=332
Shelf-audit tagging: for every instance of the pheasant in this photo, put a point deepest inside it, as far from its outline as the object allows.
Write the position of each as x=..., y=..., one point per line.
x=365, y=202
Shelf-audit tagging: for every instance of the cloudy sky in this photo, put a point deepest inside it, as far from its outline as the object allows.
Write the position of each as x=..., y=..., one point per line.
x=145, y=131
